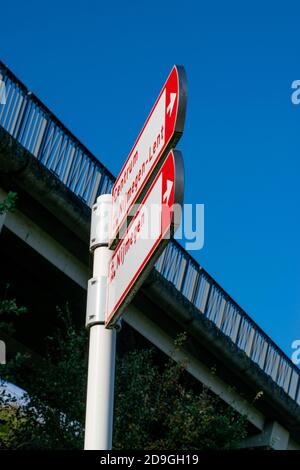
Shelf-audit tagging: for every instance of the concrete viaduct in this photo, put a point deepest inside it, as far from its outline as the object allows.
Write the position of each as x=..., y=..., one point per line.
x=45, y=248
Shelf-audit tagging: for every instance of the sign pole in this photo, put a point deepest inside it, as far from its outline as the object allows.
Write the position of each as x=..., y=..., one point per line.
x=102, y=345
x=152, y=176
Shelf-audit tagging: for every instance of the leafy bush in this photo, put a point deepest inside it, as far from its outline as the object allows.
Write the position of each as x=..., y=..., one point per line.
x=155, y=406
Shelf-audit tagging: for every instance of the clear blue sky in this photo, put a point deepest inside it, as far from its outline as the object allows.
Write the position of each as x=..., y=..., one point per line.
x=99, y=66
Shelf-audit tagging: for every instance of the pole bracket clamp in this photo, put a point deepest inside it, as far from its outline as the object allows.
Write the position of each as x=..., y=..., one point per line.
x=96, y=301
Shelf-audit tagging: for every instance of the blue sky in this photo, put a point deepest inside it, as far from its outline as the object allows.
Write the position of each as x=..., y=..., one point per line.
x=100, y=65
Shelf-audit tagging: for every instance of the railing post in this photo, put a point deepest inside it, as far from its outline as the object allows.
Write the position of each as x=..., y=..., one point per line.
x=44, y=138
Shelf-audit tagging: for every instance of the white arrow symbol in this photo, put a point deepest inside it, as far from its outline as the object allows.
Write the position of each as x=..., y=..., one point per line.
x=171, y=104
x=168, y=191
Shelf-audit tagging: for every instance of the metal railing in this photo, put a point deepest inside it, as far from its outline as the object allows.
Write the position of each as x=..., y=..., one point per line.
x=195, y=284
x=34, y=126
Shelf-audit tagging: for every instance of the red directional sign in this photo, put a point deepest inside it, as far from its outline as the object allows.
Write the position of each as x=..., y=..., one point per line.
x=148, y=233
x=161, y=131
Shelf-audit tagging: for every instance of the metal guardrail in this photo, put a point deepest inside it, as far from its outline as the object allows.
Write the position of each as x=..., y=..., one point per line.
x=34, y=126
x=178, y=267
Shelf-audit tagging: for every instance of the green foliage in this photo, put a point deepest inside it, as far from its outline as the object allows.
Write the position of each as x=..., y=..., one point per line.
x=157, y=410
x=9, y=309
x=11, y=419
x=155, y=405
x=52, y=410
x=9, y=203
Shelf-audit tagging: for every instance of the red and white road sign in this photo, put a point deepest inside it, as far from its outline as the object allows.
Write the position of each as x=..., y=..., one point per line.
x=161, y=131
x=148, y=233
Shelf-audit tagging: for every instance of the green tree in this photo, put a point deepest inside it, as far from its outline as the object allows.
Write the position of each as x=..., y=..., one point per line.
x=9, y=308
x=156, y=407
x=8, y=204
x=50, y=415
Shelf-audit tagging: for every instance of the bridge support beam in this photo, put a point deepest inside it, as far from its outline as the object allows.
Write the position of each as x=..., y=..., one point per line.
x=2, y=216
x=274, y=436
x=46, y=246
x=2, y=221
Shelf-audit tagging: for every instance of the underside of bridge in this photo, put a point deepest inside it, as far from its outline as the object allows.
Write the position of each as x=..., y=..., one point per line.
x=45, y=259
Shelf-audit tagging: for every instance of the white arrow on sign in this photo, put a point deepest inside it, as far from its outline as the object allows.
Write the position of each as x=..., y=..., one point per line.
x=168, y=191
x=171, y=104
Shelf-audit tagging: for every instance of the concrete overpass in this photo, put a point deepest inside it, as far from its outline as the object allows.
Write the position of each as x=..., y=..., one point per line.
x=44, y=249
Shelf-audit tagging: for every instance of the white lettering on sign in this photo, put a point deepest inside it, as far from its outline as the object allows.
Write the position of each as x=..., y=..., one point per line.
x=148, y=233
x=134, y=248
x=160, y=132
x=142, y=157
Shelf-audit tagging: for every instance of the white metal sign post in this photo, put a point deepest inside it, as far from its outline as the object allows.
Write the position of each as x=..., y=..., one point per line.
x=101, y=368
x=152, y=176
